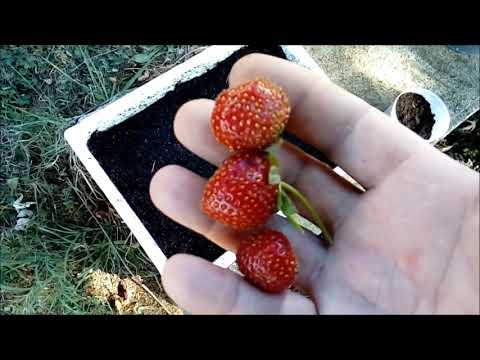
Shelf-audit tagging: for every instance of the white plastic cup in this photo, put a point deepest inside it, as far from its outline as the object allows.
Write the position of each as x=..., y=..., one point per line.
x=438, y=108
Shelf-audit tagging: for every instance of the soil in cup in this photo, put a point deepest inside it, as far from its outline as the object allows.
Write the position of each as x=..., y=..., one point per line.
x=414, y=111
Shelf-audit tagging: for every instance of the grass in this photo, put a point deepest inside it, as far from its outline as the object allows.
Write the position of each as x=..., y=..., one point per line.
x=463, y=144
x=43, y=90
x=73, y=229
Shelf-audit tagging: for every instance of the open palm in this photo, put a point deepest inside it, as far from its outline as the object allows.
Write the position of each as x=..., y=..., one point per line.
x=408, y=242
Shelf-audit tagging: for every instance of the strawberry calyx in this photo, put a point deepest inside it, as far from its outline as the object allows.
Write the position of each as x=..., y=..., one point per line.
x=313, y=213
x=285, y=203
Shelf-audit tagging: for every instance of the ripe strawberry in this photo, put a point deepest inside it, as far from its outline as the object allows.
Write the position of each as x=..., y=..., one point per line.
x=250, y=116
x=238, y=194
x=267, y=261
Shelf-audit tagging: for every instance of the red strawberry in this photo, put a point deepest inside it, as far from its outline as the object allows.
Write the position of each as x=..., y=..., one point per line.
x=250, y=116
x=267, y=261
x=238, y=194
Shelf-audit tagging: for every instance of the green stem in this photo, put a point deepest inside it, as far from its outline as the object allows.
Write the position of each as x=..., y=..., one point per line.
x=310, y=209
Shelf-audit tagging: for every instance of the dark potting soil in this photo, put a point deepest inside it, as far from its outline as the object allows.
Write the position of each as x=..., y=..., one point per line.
x=132, y=151
x=413, y=111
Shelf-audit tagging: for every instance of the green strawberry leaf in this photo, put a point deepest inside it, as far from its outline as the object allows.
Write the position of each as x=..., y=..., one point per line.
x=288, y=208
x=274, y=177
x=318, y=222
x=306, y=224
x=293, y=220
x=272, y=159
x=279, y=197
x=275, y=147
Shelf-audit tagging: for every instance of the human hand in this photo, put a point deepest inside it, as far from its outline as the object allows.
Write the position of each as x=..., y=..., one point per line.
x=407, y=244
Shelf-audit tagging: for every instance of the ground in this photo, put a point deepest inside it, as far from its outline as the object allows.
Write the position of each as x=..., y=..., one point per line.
x=63, y=250
x=463, y=144
x=69, y=232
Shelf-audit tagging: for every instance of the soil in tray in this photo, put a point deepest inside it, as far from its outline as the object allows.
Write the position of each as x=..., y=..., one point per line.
x=413, y=111
x=132, y=151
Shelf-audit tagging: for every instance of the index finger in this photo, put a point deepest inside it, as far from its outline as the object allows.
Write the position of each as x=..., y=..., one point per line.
x=363, y=141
